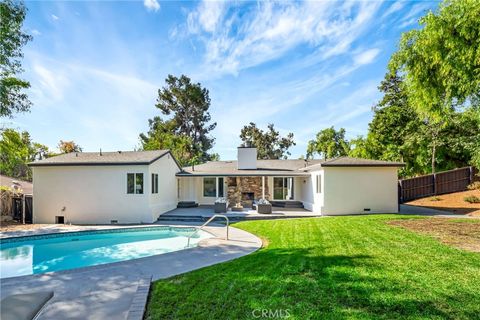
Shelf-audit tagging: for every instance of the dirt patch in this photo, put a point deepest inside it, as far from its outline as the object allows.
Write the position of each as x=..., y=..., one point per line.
x=452, y=202
x=455, y=232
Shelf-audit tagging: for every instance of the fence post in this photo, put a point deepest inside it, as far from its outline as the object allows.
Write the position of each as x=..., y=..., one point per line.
x=434, y=177
x=23, y=208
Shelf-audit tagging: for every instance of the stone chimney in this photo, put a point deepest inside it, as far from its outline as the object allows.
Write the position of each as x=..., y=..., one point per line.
x=246, y=157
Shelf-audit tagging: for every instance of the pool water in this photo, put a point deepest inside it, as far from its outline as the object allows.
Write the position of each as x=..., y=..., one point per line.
x=39, y=254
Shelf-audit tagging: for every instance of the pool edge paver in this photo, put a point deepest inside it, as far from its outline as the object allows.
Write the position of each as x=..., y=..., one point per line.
x=79, y=284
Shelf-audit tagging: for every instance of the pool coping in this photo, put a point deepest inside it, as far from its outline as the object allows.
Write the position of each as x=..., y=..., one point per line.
x=208, y=252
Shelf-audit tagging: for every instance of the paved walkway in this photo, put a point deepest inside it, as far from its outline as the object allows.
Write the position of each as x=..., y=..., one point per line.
x=107, y=291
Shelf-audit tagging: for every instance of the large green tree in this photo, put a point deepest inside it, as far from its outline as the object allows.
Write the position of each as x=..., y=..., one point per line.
x=329, y=143
x=16, y=151
x=441, y=61
x=160, y=136
x=270, y=144
x=398, y=132
x=13, y=98
x=186, y=125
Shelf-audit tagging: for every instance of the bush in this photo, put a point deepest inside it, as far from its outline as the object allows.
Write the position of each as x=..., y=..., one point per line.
x=435, y=199
x=474, y=186
x=472, y=199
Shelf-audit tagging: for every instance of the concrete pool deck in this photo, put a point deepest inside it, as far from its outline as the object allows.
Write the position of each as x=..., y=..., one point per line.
x=116, y=290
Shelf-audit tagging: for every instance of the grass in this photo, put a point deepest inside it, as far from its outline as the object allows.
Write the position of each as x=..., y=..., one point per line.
x=472, y=199
x=329, y=268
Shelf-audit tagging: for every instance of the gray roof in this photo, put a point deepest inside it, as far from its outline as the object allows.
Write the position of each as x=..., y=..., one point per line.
x=288, y=167
x=105, y=158
x=27, y=187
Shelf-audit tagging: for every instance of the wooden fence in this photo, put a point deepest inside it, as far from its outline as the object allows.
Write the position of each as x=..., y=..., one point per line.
x=437, y=183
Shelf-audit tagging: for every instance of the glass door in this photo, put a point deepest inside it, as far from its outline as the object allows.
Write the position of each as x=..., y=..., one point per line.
x=283, y=188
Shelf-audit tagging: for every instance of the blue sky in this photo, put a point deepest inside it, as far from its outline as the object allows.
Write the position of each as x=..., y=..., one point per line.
x=95, y=67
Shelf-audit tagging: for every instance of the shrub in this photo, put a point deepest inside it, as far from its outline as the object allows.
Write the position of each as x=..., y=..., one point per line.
x=472, y=199
x=474, y=186
x=435, y=199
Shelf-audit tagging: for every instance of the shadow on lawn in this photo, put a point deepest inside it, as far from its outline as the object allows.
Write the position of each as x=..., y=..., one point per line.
x=310, y=284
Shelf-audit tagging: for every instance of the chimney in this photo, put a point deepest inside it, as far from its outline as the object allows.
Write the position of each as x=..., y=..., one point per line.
x=246, y=157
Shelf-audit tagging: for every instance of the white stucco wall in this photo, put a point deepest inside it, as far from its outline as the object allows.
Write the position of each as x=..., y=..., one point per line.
x=166, y=199
x=349, y=190
x=98, y=194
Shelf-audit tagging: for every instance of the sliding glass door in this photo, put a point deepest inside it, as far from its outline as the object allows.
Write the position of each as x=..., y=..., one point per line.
x=283, y=188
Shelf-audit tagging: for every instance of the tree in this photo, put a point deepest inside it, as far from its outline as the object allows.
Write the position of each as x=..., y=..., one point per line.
x=12, y=97
x=329, y=143
x=160, y=136
x=187, y=105
x=68, y=147
x=269, y=144
x=440, y=61
x=16, y=151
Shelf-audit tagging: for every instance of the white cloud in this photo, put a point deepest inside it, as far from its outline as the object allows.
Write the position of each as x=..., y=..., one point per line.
x=151, y=5
x=366, y=57
x=54, y=17
x=396, y=6
x=35, y=32
x=206, y=17
x=271, y=29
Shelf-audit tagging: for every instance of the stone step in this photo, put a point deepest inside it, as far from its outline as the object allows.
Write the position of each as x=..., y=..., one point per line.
x=187, y=204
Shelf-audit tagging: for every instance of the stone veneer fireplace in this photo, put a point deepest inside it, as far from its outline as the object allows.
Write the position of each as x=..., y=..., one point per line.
x=241, y=190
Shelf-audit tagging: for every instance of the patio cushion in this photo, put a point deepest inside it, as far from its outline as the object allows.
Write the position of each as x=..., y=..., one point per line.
x=23, y=306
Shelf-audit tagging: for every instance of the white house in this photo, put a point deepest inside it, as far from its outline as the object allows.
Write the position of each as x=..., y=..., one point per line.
x=134, y=187
x=333, y=187
x=104, y=187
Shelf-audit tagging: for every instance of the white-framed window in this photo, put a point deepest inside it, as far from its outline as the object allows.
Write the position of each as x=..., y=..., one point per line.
x=318, y=183
x=154, y=183
x=213, y=187
x=209, y=187
x=135, y=183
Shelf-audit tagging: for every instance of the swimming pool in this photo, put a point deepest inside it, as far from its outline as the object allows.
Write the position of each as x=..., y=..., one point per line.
x=63, y=251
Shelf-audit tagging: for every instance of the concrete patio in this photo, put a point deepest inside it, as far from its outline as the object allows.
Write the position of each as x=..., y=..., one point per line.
x=205, y=212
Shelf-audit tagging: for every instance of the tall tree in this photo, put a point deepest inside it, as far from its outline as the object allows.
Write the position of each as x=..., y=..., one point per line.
x=329, y=143
x=160, y=136
x=68, y=147
x=13, y=98
x=441, y=60
x=187, y=105
x=269, y=143
x=16, y=151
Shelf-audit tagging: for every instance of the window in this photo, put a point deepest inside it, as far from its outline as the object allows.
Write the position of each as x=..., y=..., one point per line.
x=154, y=183
x=209, y=187
x=283, y=188
x=220, y=187
x=319, y=183
x=135, y=183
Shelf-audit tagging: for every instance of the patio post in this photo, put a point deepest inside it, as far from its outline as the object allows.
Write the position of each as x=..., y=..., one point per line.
x=263, y=187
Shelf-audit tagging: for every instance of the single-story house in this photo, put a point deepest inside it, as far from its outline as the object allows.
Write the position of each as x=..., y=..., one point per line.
x=132, y=187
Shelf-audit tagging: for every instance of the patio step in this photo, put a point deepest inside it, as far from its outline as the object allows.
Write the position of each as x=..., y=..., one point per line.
x=187, y=204
x=181, y=218
x=287, y=204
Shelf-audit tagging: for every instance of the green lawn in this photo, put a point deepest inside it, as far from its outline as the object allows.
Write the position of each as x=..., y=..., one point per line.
x=329, y=268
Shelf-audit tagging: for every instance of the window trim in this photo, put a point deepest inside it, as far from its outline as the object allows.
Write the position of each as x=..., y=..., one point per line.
x=203, y=187
x=318, y=183
x=135, y=175
x=154, y=183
